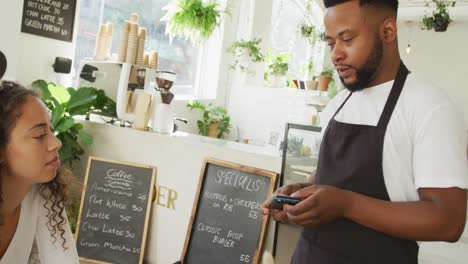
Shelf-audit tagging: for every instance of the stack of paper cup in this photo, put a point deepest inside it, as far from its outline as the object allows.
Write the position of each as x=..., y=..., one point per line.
x=110, y=29
x=124, y=41
x=141, y=46
x=132, y=44
x=100, y=49
x=146, y=63
x=154, y=60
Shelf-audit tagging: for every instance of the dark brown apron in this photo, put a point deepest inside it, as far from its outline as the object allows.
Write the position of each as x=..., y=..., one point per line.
x=351, y=158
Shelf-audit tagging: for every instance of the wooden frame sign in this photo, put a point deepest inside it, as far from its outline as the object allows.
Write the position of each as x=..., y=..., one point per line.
x=226, y=225
x=114, y=211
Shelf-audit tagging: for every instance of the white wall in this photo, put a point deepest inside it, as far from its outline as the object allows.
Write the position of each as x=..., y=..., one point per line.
x=439, y=57
x=30, y=57
x=259, y=110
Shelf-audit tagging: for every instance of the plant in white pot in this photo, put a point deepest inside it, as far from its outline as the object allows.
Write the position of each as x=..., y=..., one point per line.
x=245, y=52
x=276, y=68
x=309, y=78
x=216, y=121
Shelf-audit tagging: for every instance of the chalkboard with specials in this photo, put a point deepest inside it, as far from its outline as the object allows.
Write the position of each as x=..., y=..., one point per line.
x=114, y=212
x=226, y=225
x=49, y=18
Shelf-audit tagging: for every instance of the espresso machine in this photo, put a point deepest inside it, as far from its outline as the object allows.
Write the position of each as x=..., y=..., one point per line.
x=162, y=120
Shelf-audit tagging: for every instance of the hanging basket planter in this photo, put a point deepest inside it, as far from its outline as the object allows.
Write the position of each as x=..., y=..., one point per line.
x=192, y=19
x=441, y=24
x=440, y=18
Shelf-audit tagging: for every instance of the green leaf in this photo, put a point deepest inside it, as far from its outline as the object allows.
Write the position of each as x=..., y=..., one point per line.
x=71, y=91
x=64, y=124
x=57, y=114
x=85, y=138
x=202, y=128
x=101, y=99
x=66, y=153
x=72, y=141
x=43, y=87
x=78, y=126
x=59, y=93
x=81, y=101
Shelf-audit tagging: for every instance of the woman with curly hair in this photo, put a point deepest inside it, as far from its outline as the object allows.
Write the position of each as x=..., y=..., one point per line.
x=32, y=215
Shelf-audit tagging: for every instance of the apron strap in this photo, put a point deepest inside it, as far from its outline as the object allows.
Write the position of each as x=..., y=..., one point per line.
x=341, y=106
x=393, y=97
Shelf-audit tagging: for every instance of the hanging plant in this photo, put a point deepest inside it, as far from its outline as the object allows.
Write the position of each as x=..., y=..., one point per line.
x=309, y=32
x=192, y=19
x=440, y=18
x=243, y=48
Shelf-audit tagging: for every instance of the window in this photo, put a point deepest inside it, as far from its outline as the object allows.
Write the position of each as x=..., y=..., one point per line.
x=285, y=36
x=179, y=56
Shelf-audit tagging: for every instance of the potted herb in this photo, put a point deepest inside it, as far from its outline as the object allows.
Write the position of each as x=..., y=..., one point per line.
x=309, y=78
x=440, y=18
x=242, y=49
x=276, y=68
x=324, y=79
x=215, y=122
x=192, y=19
x=295, y=147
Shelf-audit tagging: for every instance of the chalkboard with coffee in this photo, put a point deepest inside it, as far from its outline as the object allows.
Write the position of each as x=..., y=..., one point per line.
x=51, y=19
x=226, y=225
x=114, y=212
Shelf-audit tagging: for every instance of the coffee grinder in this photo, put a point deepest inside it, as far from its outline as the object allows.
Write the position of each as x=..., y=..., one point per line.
x=163, y=115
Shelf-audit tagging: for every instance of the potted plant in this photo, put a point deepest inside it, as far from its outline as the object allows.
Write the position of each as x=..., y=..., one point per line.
x=295, y=146
x=324, y=79
x=242, y=49
x=440, y=18
x=276, y=68
x=192, y=19
x=215, y=122
x=309, y=78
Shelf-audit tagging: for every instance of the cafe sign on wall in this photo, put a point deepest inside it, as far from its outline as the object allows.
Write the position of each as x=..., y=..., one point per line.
x=49, y=18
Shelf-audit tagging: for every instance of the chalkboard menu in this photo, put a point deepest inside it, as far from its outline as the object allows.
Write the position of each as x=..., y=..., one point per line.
x=114, y=213
x=226, y=224
x=49, y=18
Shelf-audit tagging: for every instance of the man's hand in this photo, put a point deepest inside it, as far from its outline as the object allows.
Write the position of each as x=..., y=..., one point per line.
x=287, y=190
x=321, y=204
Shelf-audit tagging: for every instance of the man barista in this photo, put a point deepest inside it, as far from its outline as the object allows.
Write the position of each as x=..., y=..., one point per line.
x=392, y=167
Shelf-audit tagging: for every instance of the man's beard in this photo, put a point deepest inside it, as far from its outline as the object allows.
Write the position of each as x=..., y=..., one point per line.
x=367, y=73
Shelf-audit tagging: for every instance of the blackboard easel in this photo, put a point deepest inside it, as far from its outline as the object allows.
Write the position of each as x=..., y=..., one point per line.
x=226, y=225
x=114, y=211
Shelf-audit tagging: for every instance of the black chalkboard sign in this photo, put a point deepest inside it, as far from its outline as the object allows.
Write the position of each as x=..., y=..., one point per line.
x=114, y=212
x=226, y=224
x=49, y=18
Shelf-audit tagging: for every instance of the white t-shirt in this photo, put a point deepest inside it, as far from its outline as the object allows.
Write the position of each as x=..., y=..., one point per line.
x=32, y=225
x=426, y=140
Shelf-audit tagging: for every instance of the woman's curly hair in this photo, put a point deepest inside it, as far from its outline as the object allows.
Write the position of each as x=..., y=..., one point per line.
x=12, y=98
